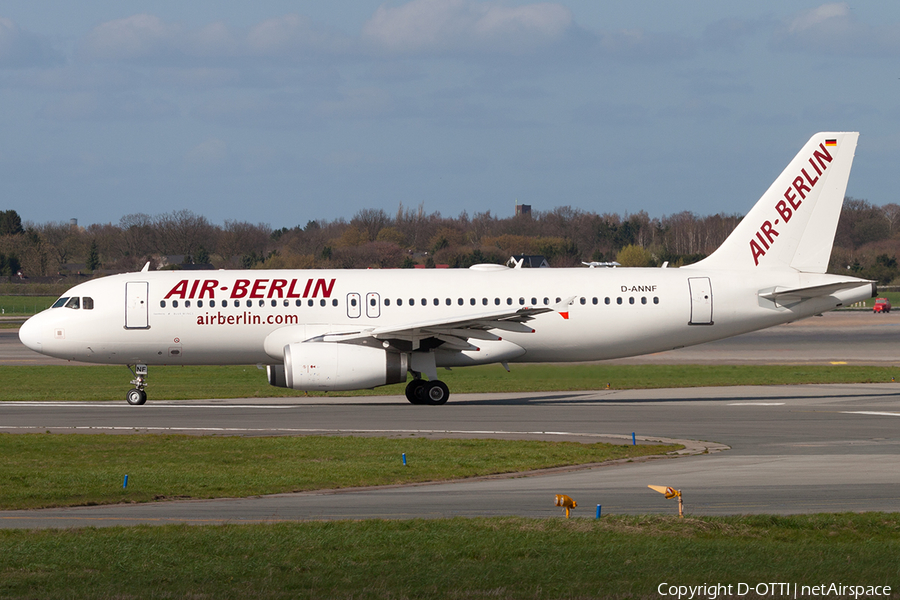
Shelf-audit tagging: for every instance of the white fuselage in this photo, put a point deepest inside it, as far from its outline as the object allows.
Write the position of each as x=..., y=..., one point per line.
x=225, y=317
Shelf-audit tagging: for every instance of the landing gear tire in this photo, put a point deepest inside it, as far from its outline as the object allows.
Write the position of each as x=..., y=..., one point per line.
x=136, y=397
x=415, y=391
x=436, y=393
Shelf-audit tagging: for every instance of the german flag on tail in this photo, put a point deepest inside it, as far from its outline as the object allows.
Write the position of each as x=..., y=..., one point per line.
x=830, y=143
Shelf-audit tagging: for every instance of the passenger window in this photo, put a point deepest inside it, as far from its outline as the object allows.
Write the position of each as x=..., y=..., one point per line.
x=262, y=302
x=187, y=303
x=371, y=302
x=595, y=300
x=387, y=301
x=73, y=302
x=584, y=300
x=643, y=300
x=298, y=303
x=353, y=302
x=199, y=303
x=534, y=301
x=606, y=300
x=174, y=303
x=310, y=303
x=484, y=301
x=460, y=301
x=631, y=300
x=287, y=303
x=437, y=302
x=162, y=303
x=472, y=301
x=509, y=301
x=334, y=302
x=60, y=302
x=448, y=302
x=522, y=301
x=619, y=300
x=546, y=301
x=322, y=302
x=87, y=303
x=274, y=302
x=424, y=302
x=249, y=303
x=655, y=300
x=497, y=301
x=399, y=301
x=212, y=303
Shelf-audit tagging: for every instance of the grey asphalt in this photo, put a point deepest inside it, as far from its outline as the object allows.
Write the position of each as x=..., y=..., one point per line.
x=793, y=449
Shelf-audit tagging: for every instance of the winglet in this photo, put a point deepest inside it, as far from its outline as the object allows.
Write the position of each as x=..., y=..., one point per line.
x=562, y=307
x=146, y=267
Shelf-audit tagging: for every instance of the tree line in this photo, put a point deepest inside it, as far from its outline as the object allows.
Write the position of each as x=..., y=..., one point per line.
x=866, y=243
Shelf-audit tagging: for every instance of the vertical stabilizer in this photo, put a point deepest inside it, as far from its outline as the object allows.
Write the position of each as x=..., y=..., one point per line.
x=793, y=224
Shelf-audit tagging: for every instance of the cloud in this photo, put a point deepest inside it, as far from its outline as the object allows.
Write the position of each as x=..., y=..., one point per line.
x=832, y=29
x=148, y=38
x=464, y=26
x=20, y=49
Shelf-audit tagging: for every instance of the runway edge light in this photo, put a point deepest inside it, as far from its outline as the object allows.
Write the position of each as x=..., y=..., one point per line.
x=670, y=493
x=566, y=502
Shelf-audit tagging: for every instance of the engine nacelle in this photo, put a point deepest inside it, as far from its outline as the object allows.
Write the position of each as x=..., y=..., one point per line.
x=328, y=366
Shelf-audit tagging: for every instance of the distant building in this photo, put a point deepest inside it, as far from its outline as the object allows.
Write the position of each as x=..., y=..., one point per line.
x=523, y=209
x=529, y=261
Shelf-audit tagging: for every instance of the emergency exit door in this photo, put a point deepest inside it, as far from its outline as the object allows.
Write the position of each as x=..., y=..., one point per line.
x=701, y=301
x=136, y=305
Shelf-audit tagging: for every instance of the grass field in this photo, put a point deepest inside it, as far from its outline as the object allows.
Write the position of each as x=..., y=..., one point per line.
x=24, y=305
x=613, y=557
x=181, y=383
x=40, y=470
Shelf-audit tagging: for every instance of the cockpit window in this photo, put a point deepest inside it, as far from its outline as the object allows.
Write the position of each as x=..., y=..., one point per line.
x=60, y=302
x=87, y=303
x=74, y=302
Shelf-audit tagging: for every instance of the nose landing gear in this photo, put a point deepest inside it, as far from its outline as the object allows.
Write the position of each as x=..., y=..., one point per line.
x=137, y=395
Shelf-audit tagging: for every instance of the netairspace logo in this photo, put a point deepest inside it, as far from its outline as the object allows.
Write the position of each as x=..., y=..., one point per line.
x=711, y=591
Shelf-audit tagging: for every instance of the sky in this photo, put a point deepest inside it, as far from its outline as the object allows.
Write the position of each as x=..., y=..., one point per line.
x=284, y=112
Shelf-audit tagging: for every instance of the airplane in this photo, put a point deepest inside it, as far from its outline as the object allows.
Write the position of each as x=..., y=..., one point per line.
x=335, y=330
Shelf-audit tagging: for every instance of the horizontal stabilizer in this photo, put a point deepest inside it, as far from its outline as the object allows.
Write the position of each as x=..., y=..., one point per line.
x=814, y=291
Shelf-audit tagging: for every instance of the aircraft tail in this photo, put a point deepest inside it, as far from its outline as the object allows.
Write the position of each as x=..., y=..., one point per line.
x=793, y=224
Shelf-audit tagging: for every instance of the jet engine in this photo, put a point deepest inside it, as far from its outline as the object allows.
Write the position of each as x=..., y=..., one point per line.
x=328, y=366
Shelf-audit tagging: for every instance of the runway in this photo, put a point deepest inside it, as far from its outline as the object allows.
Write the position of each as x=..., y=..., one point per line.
x=793, y=449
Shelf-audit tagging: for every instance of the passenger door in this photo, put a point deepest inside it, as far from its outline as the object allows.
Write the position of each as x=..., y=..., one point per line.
x=136, y=305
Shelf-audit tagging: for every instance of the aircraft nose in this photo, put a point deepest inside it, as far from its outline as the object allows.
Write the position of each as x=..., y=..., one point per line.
x=30, y=334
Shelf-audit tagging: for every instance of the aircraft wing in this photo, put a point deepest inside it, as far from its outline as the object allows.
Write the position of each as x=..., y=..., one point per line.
x=453, y=332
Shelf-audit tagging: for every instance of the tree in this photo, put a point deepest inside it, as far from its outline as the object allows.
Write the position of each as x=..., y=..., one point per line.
x=634, y=256
x=10, y=223
x=93, y=258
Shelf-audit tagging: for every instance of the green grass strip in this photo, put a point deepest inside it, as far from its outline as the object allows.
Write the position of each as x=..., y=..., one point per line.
x=40, y=470
x=509, y=558
x=24, y=305
x=183, y=383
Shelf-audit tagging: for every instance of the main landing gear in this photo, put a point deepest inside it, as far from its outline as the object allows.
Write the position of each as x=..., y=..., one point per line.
x=432, y=392
x=137, y=395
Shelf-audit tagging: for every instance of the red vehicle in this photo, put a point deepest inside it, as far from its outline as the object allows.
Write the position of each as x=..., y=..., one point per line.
x=882, y=305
